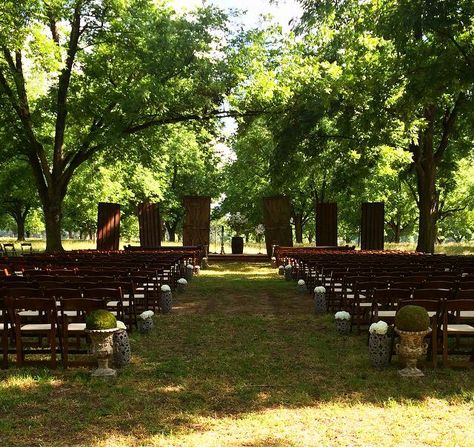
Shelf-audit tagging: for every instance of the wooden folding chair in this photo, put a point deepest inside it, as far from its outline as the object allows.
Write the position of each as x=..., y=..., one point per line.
x=73, y=312
x=455, y=324
x=45, y=324
x=385, y=304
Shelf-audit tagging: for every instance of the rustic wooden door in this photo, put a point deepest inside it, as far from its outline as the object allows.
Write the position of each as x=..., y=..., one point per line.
x=108, y=226
x=372, y=226
x=276, y=217
x=197, y=220
x=326, y=224
x=150, y=225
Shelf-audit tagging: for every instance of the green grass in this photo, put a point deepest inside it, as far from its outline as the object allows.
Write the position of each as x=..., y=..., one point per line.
x=451, y=248
x=241, y=361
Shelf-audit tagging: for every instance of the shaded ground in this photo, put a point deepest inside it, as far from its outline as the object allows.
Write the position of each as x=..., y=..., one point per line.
x=241, y=361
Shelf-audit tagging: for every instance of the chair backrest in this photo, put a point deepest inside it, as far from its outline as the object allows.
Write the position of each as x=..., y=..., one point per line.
x=390, y=297
x=463, y=285
x=464, y=294
x=429, y=305
x=8, y=247
x=453, y=308
x=399, y=284
x=66, y=293
x=368, y=286
x=432, y=294
x=114, y=294
x=24, y=292
x=26, y=247
x=440, y=284
x=82, y=304
x=46, y=305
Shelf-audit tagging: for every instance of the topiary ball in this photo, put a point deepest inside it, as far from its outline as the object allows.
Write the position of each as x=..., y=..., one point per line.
x=412, y=319
x=101, y=319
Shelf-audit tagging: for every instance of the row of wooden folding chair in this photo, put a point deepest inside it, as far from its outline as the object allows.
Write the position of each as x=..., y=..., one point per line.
x=39, y=317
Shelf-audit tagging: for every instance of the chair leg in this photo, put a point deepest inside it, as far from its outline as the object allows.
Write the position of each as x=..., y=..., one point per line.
x=445, y=347
x=5, y=351
x=64, y=354
x=52, y=337
x=434, y=347
x=19, y=350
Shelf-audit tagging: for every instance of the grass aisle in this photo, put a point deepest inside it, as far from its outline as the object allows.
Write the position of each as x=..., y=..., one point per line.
x=241, y=361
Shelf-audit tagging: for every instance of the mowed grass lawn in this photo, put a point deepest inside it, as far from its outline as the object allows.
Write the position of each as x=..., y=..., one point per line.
x=241, y=361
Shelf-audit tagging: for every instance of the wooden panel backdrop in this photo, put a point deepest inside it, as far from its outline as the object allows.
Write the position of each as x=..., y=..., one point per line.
x=150, y=225
x=108, y=226
x=372, y=226
x=276, y=217
x=197, y=220
x=326, y=224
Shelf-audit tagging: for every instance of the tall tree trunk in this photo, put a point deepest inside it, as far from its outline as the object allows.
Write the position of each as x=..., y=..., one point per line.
x=428, y=214
x=52, y=220
x=298, y=221
x=52, y=209
x=20, y=226
x=425, y=166
x=397, y=233
x=171, y=228
x=19, y=213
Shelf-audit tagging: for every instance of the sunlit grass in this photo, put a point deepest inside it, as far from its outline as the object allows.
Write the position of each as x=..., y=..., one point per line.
x=241, y=361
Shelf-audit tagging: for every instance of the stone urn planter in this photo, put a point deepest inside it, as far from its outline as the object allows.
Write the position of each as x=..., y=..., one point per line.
x=410, y=349
x=343, y=322
x=101, y=326
x=379, y=344
x=166, y=299
x=320, y=303
x=145, y=322
x=412, y=326
x=281, y=270
x=288, y=272
x=274, y=262
x=205, y=263
x=301, y=287
x=102, y=348
x=189, y=272
x=237, y=244
x=121, y=350
x=181, y=285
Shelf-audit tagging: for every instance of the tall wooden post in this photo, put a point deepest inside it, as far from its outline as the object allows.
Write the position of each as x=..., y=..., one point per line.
x=149, y=224
x=108, y=226
x=326, y=224
x=276, y=218
x=372, y=226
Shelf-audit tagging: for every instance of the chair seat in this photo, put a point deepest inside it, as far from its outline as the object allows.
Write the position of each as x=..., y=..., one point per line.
x=387, y=313
x=36, y=327
x=29, y=313
x=366, y=304
x=460, y=328
x=467, y=314
x=76, y=327
x=69, y=313
x=116, y=303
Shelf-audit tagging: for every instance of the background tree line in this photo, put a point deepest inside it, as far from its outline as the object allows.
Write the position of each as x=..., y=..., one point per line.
x=123, y=101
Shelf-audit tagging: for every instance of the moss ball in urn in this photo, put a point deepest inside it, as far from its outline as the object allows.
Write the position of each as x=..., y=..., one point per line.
x=412, y=318
x=100, y=319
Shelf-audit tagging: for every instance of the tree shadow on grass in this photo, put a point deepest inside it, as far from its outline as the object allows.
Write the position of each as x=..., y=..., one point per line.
x=214, y=364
